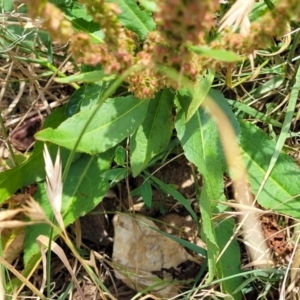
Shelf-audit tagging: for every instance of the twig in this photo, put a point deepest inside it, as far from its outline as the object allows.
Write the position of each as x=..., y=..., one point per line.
x=16, y=100
x=36, y=112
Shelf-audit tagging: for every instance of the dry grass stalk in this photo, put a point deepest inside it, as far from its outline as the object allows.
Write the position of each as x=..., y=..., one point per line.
x=43, y=241
x=250, y=224
x=237, y=16
x=54, y=185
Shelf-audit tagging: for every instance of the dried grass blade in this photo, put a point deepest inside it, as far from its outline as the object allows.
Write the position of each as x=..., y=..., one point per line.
x=23, y=279
x=43, y=240
x=54, y=184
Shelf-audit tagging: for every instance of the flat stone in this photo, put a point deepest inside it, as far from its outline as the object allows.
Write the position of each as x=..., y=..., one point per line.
x=143, y=257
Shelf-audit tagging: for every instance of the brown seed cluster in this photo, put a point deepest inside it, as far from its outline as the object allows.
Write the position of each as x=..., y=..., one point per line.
x=180, y=23
x=115, y=53
x=58, y=27
x=274, y=23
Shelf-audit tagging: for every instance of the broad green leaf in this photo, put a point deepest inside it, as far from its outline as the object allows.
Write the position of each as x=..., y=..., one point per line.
x=281, y=191
x=149, y=5
x=230, y=261
x=18, y=158
x=90, y=28
x=259, y=9
x=284, y=133
x=84, y=98
x=154, y=134
x=198, y=136
x=77, y=12
x=219, y=54
x=31, y=248
x=145, y=191
x=133, y=18
x=115, y=175
x=200, y=141
x=83, y=189
x=90, y=95
x=73, y=105
x=115, y=120
x=32, y=170
x=201, y=89
x=222, y=102
x=120, y=156
x=92, y=76
x=208, y=227
x=6, y=5
x=81, y=21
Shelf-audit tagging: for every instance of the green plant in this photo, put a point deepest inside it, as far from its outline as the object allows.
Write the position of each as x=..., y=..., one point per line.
x=155, y=71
